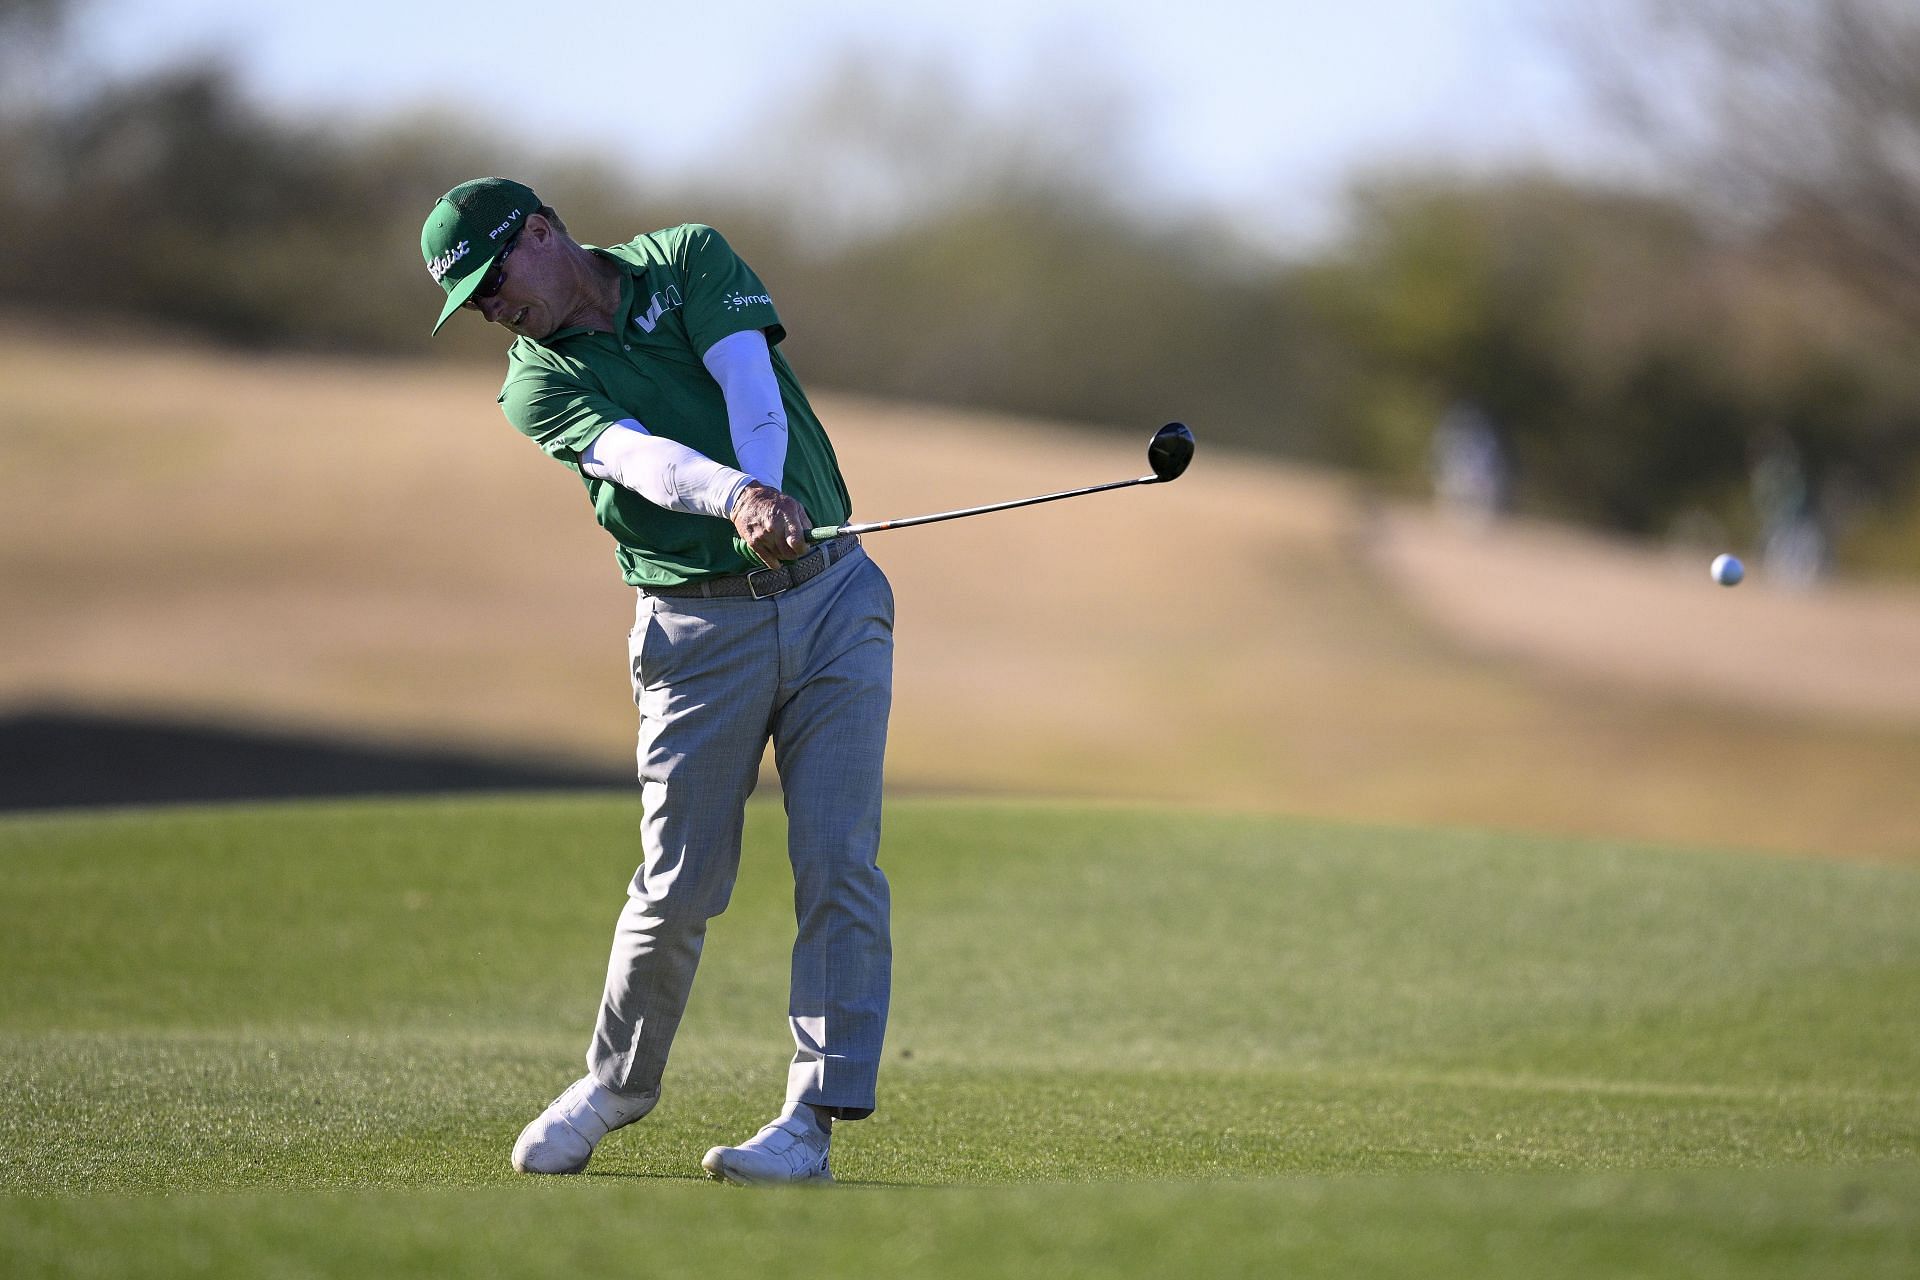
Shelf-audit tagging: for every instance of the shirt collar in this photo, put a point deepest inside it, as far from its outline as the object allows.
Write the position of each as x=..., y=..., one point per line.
x=622, y=311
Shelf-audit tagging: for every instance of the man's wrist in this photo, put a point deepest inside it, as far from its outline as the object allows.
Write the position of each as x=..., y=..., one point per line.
x=739, y=492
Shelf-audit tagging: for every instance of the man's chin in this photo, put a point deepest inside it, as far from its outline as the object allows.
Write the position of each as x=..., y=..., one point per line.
x=528, y=325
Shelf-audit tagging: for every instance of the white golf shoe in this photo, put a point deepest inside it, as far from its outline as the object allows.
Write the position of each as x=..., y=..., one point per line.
x=791, y=1149
x=561, y=1139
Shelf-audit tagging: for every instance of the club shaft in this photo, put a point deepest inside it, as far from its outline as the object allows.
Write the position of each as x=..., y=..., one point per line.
x=824, y=532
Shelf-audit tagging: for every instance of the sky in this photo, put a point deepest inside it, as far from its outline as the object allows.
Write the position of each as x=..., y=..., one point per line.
x=1264, y=109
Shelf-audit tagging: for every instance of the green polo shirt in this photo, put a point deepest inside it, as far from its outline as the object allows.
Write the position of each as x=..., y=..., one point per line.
x=682, y=290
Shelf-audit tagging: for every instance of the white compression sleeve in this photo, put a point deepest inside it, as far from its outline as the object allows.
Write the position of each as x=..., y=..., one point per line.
x=664, y=472
x=742, y=364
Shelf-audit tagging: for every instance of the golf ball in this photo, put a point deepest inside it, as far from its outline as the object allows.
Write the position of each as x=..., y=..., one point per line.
x=1727, y=570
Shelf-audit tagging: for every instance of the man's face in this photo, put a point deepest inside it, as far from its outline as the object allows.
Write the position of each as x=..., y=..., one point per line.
x=526, y=302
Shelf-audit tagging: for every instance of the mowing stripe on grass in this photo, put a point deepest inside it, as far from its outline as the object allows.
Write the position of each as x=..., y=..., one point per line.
x=319, y=998
x=1702, y=1225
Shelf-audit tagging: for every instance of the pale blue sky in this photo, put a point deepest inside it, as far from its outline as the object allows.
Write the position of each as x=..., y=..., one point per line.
x=1261, y=107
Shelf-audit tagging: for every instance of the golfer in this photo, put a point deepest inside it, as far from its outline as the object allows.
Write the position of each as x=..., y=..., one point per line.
x=653, y=370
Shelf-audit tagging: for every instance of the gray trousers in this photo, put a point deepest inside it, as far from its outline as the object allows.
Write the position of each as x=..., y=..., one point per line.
x=810, y=670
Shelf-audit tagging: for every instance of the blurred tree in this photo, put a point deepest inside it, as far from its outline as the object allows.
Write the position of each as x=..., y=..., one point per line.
x=1794, y=127
x=1632, y=350
x=30, y=30
x=941, y=244
x=1797, y=121
x=175, y=198
x=168, y=196
x=33, y=39
x=1628, y=355
x=883, y=139
x=1022, y=302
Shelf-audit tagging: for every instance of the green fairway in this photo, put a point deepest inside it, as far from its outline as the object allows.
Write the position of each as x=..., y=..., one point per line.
x=300, y=1040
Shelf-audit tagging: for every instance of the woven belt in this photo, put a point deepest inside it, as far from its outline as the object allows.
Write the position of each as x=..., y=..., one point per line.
x=762, y=583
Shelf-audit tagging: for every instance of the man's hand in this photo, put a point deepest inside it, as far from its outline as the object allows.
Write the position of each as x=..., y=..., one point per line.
x=771, y=523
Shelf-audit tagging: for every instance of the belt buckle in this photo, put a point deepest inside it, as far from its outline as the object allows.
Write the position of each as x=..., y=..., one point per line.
x=757, y=576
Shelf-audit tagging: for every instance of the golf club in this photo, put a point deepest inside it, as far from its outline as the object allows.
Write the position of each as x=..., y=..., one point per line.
x=1168, y=454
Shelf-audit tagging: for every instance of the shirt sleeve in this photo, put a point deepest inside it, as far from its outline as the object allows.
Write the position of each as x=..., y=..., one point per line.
x=723, y=295
x=559, y=415
x=664, y=472
x=756, y=419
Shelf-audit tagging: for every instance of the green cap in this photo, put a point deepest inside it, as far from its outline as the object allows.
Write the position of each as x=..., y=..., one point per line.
x=467, y=230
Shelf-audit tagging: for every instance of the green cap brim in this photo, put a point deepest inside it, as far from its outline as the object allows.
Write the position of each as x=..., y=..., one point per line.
x=474, y=217
x=458, y=295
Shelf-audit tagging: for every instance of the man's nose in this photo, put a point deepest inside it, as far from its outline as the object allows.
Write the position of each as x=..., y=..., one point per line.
x=492, y=308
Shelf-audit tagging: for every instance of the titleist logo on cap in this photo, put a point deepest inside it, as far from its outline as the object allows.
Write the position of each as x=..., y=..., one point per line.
x=439, y=267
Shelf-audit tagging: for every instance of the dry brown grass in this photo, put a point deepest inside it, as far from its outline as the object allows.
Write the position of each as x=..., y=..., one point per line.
x=368, y=547
x=1624, y=614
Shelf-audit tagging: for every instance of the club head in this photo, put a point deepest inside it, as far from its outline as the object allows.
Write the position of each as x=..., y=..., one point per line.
x=1171, y=451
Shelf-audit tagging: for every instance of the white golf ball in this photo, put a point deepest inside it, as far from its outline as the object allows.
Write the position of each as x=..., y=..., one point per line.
x=1727, y=570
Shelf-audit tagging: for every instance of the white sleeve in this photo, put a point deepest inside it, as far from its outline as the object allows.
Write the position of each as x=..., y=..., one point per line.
x=743, y=366
x=664, y=472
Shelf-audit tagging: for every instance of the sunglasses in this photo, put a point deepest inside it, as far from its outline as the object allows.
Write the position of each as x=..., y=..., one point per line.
x=496, y=274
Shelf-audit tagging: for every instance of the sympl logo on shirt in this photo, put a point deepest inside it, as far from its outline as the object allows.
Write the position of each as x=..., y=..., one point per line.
x=741, y=301
x=661, y=303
